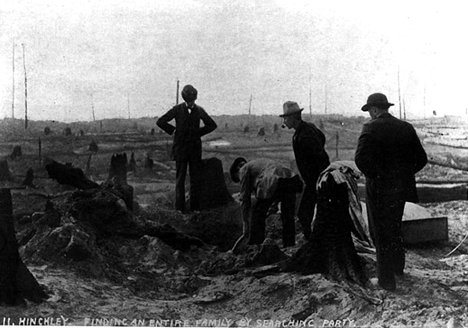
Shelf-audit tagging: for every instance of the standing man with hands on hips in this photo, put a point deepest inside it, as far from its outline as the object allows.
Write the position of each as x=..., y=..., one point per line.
x=187, y=147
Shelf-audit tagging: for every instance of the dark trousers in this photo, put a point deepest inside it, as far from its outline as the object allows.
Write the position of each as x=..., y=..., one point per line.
x=306, y=210
x=286, y=194
x=194, y=174
x=385, y=213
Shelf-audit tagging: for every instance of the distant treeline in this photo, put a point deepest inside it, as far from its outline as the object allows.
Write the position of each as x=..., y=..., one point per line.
x=147, y=124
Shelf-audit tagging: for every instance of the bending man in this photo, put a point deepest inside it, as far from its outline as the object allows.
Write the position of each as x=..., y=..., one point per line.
x=269, y=182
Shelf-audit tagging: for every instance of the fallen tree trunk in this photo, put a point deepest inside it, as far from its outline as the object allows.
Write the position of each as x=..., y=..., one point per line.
x=16, y=281
x=65, y=174
x=449, y=161
x=107, y=214
x=108, y=208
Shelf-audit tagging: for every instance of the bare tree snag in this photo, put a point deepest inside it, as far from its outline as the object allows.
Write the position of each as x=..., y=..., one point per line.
x=16, y=281
x=132, y=163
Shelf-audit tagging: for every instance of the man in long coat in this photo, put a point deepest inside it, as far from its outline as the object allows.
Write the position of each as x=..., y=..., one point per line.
x=389, y=153
x=187, y=146
x=311, y=159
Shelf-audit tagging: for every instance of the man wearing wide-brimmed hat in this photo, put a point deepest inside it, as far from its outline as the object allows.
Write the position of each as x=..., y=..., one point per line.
x=389, y=153
x=311, y=159
x=187, y=147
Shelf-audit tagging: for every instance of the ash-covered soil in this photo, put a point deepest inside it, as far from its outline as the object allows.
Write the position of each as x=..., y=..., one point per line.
x=145, y=282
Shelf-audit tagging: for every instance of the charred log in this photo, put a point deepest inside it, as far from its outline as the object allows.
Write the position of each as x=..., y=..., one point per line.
x=449, y=161
x=171, y=236
x=109, y=216
x=65, y=174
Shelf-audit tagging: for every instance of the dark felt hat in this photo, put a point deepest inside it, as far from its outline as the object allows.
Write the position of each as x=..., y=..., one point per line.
x=189, y=93
x=378, y=100
x=234, y=170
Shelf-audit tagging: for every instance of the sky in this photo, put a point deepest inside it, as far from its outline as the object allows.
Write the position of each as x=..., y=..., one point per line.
x=120, y=58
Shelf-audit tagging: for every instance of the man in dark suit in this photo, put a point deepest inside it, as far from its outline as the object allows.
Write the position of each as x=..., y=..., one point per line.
x=187, y=147
x=389, y=153
x=311, y=159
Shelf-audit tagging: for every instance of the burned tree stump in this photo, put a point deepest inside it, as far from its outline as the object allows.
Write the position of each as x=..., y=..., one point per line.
x=330, y=249
x=67, y=175
x=149, y=163
x=261, y=132
x=5, y=174
x=17, y=152
x=213, y=190
x=16, y=281
x=118, y=179
x=93, y=146
x=28, y=181
x=118, y=167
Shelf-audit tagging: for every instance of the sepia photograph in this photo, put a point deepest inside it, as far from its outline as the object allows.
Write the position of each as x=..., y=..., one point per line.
x=233, y=163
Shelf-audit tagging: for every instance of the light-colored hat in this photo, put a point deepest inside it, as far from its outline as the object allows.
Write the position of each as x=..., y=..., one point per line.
x=290, y=107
